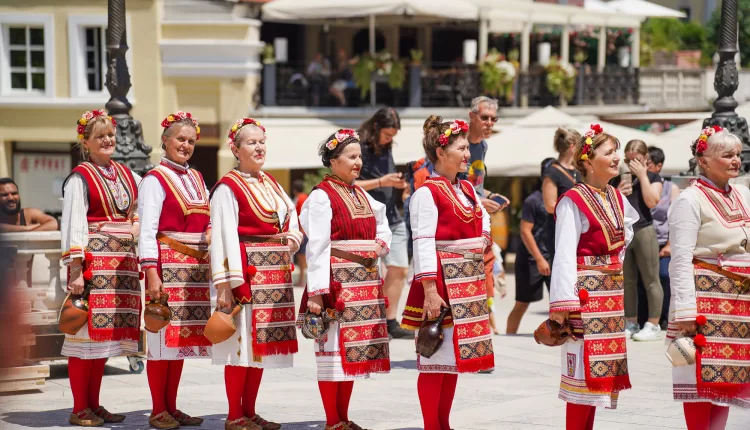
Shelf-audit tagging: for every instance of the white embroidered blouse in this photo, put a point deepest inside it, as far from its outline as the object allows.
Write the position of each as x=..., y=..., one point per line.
x=226, y=261
x=74, y=228
x=151, y=195
x=316, y=222
x=570, y=224
x=424, y=221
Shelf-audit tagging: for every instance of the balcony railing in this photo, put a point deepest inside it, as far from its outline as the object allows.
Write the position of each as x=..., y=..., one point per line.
x=444, y=85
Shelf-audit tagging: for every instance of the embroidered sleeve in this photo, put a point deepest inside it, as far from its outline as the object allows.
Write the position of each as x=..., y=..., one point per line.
x=134, y=212
x=151, y=197
x=226, y=261
x=294, y=232
x=74, y=228
x=563, y=294
x=630, y=216
x=383, y=234
x=485, y=221
x=684, y=223
x=424, y=218
x=316, y=221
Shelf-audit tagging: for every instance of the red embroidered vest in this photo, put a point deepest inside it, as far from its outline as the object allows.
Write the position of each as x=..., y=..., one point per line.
x=352, y=217
x=606, y=233
x=178, y=213
x=254, y=218
x=455, y=219
x=102, y=205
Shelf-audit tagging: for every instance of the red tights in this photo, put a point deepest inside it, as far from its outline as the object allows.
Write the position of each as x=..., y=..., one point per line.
x=242, y=385
x=705, y=416
x=163, y=380
x=436, y=391
x=579, y=417
x=85, y=382
x=336, y=396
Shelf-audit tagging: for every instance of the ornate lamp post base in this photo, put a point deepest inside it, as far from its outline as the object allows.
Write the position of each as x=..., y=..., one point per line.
x=131, y=149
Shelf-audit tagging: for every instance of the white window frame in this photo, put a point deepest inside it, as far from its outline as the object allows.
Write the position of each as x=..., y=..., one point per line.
x=79, y=86
x=22, y=19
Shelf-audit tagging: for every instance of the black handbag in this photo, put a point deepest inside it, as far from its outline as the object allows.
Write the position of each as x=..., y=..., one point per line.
x=430, y=335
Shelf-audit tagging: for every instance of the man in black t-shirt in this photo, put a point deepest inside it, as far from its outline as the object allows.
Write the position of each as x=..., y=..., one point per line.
x=532, y=259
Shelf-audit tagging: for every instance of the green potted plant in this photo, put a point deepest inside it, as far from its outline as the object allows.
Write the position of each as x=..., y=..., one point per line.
x=561, y=80
x=692, y=42
x=497, y=75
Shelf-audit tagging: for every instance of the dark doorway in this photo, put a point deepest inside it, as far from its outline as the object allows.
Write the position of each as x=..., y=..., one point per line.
x=295, y=35
x=448, y=44
x=407, y=41
x=361, y=43
x=205, y=160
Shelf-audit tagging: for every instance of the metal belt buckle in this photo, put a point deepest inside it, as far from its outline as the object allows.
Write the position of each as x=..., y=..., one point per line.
x=744, y=285
x=475, y=256
x=369, y=264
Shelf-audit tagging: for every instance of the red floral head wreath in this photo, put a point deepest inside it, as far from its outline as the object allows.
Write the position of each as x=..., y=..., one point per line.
x=87, y=117
x=179, y=116
x=237, y=126
x=701, y=144
x=588, y=144
x=457, y=126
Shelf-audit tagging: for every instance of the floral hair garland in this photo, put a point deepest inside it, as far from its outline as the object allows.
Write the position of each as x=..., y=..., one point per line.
x=701, y=145
x=457, y=126
x=88, y=116
x=341, y=136
x=179, y=116
x=241, y=123
x=588, y=144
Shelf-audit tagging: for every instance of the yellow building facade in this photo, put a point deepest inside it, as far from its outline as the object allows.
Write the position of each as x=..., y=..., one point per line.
x=203, y=59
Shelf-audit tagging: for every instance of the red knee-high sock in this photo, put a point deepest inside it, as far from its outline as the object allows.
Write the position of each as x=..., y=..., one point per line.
x=592, y=415
x=342, y=399
x=234, y=379
x=79, y=373
x=252, y=385
x=429, y=386
x=329, y=394
x=577, y=416
x=719, y=416
x=173, y=382
x=447, y=392
x=95, y=383
x=697, y=415
x=157, y=371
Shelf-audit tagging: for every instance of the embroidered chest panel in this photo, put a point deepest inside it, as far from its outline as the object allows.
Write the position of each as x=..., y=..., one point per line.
x=354, y=199
x=729, y=208
x=115, y=191
x=606, y=211
x=466, y=213
x=263, y=196
x=188, y=190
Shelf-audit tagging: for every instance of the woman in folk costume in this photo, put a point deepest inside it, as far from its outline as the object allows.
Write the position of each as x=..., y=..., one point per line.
x=255, y=235
x=709, y=226
x=347, y=231
x=99, y=224
x=593, y=227
x=451, y=229
x=175, y=229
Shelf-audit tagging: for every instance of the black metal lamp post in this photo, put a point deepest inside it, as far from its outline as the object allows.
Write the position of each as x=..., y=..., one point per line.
x=726, y=83
x=131, y=149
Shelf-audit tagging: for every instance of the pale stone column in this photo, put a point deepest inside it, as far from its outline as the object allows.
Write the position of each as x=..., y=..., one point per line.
x=602, y=60
x=635, y=48
x=565, y=44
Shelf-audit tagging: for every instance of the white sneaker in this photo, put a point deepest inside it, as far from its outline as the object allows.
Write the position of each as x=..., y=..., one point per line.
x=630, y=329
x=649, y=332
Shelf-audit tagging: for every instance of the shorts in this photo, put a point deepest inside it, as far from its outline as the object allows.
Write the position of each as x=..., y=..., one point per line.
x=399, y=256
x=529, y=282
x=303, y=246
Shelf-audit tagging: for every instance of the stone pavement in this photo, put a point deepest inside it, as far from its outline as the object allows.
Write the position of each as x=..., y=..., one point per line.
x=520, y=394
